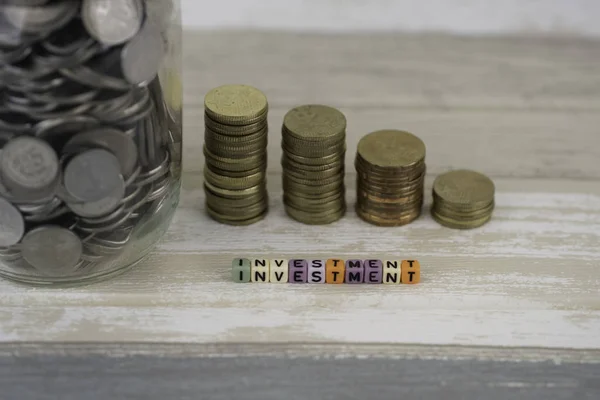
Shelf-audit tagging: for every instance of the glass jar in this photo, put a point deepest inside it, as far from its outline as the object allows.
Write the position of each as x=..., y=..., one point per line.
x=90, y=135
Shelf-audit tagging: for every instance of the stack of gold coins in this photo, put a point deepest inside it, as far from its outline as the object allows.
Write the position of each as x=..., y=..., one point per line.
x=235, y=149
x=390, y=168
x=463, y=199
x=314, y=147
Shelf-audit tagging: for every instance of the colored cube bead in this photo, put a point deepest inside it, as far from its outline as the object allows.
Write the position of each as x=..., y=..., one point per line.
x=298, y=271
x=411, y=271
x=355, y=271
x=241, y=270
x=278, y=271
x=316, y=271
x=260, y=270
x=373, y=271
x=335, y=271
x=391, y=272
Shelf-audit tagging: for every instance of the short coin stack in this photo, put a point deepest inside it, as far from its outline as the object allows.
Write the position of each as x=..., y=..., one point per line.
x=390, y=169
x=463, y=199
x=314, y=147
x=236, y=136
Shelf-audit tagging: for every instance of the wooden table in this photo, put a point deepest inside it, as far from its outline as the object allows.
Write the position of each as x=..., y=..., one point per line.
x=509, y=309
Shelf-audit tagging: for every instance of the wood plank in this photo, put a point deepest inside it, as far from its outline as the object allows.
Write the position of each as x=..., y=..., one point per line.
x=529, y=278
x=182, y=372
x=32, y=370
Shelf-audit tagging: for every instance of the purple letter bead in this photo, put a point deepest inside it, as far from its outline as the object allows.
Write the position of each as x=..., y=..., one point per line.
x=373, y=271
x=298, y=271
x=355, y=271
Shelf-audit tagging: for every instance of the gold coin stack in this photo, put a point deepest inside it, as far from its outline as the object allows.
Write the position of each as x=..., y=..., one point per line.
x=235, y=149
x=463, y=199
x=314, y=147
x=390, y=168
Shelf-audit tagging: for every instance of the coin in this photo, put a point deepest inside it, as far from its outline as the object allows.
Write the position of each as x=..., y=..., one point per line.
x=28, y=165
x=235, y=142
x=112, y=22
x=110, y=139
x=104, y=206
x=92, y=175
x=314, y=146
x=464, y=187
x=463, y=199
x=391, y=149
x=52, y=250
x=315, y=123
x=236, y=105
x=40, y=18
x=390, y=166
x=12, y=225
x=142, y=56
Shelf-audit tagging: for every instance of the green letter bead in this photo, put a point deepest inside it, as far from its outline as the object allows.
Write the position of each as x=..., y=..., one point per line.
x=240, y=270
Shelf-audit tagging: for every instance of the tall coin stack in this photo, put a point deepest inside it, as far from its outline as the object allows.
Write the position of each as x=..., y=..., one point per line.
x=314, y=147
x=235, y=148
x=463, y=199
x=390, y=168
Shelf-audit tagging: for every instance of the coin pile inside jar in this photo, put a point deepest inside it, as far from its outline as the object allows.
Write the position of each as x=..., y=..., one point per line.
x=314, y=148
x=235, y=148
x=390, y=168
x=463, y=199
x=85, y=153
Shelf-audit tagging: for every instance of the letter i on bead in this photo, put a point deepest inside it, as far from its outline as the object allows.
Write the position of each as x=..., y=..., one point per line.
x=260, y=271
x=278, y=271
x=241, y=270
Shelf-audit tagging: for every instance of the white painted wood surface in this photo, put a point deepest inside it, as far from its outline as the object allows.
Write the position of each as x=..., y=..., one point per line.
x=529, y=278
x=574, y=17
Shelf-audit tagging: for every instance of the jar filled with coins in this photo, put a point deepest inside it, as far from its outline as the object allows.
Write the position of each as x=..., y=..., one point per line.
x=90, y=135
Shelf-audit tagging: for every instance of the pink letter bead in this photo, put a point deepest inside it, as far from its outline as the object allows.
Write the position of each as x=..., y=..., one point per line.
x=260, y=271
x=298, y=270
x=373, y=271
x=355, y=271
x=316, y=271
x=278, y=271
x=391, y=272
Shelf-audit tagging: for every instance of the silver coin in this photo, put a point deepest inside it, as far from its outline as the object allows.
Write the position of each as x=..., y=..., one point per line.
x=52, y=250
x=41, y=18
x=12, y=225
x=99, y=208
x=143, y=55
x=92, y=175
x=112, y=22
x=113, y=140
x=28, y=164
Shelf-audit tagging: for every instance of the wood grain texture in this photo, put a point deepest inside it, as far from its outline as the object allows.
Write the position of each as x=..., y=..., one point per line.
x=510, y=107
x=529, y=278
x=525, y=111
x=142, y=375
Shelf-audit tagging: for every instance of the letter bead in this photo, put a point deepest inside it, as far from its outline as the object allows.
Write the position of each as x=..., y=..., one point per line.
x=391, y=272
x=335, y=271
x=373, y=271
x=241, y=270
x=260, y=271
x=278, y=271
x=355, y=271
x=411, y=272
x=316, y=271
x=298, y=271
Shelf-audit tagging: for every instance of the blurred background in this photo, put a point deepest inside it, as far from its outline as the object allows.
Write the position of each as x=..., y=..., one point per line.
x=565, y=17
x=510, y=88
